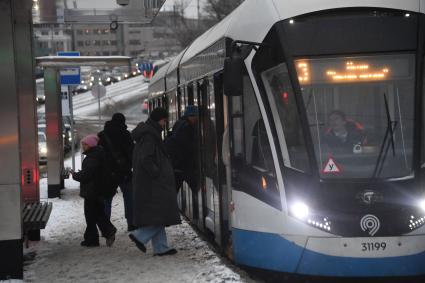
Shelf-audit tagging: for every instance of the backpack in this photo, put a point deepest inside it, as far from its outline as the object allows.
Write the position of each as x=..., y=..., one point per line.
x=117, y=162
x=109, y=180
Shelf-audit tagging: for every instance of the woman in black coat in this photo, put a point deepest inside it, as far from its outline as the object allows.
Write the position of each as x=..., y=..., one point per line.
x=154, y=194
x=90, y=178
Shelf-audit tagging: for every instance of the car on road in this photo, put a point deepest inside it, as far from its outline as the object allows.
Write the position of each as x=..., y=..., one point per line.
x=40, y=96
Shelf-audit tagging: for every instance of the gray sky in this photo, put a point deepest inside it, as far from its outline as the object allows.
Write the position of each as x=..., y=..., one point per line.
x=191, y=10
x=87, y=4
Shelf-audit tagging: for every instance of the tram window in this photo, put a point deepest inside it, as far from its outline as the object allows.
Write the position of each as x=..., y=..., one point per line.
x=190, y=92
x=211, y=98
x=164, y=102
x=179, y=102
x=238, y=149
x=207, y=112
x=172, y=108
x=423, y=121
x=258, y=152
x=278, y=86
x=196, y=88
x=360, y=112
x=183, y=100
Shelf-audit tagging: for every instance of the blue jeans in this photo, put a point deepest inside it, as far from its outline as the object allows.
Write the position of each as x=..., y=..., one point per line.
x=126, y=189
x=156, y=234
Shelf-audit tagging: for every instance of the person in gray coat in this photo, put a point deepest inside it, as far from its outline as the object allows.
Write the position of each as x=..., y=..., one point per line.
x=154, y=193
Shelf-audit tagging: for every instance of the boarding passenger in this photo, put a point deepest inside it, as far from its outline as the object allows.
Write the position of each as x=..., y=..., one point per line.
x=154, y=194
x=118, y=145
x=344, y=134
x=91, y=188
x=182, y=147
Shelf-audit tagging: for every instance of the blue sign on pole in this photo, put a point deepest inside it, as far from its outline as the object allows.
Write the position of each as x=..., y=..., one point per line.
x=70, y=76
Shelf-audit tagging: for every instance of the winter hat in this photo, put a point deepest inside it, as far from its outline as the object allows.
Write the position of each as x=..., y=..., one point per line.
x=90, y=140
x=191, y=110
x=158, y=114
x=119, y=118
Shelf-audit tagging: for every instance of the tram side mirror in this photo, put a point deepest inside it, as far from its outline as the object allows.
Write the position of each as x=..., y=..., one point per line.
x=233, y=75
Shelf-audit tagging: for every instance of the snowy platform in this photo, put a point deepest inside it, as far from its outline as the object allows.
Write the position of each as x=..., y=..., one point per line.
x=60, y=258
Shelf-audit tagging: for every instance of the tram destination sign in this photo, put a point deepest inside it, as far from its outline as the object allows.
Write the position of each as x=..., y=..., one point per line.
x=70, y=76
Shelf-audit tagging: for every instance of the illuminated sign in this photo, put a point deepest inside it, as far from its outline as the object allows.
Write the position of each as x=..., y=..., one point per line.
x=357, y=71
x=354, y=69
x=303, y=73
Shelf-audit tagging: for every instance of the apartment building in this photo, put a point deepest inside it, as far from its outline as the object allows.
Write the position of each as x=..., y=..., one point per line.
x=52, y=38
x=132, y=40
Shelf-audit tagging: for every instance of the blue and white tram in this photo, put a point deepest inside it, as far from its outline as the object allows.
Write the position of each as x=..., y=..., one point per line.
x=311, y=135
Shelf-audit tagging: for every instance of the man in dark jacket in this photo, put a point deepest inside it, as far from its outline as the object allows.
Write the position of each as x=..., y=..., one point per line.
x=182, y=147
x=154, y=194
x=344, y=135
x=118, y=145
x=91, y=184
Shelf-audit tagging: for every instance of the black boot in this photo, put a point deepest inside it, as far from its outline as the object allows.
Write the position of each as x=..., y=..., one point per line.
x=139, y=244
x=110, y=239
x=169, y=252
x=89, y=244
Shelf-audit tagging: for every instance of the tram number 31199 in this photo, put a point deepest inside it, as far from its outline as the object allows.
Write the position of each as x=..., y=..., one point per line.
x=374, y=246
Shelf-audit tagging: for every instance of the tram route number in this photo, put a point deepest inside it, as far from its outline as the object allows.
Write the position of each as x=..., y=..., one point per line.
x=373, y=246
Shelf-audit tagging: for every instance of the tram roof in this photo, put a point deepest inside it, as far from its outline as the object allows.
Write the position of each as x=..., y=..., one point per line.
x=176, y=61
x=247, y=23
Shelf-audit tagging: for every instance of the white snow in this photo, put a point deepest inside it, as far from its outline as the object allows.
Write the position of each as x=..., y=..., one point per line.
x=60, y=258
x=129, y=90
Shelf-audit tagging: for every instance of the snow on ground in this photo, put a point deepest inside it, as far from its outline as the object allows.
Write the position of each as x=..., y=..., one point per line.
x=126, y=90
x=60, y=258
x=129, y=90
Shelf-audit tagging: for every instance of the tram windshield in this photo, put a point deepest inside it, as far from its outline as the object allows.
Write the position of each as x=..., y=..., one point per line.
x=360, y=112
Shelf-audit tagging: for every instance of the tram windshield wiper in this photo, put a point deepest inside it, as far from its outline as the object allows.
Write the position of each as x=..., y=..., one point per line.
x=388, y=140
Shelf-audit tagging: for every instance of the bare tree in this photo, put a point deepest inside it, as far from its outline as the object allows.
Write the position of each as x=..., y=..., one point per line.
x=218, y=9
x=186, y=29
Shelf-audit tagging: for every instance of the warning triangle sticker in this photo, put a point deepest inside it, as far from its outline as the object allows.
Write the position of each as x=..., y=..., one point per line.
x=331, y=167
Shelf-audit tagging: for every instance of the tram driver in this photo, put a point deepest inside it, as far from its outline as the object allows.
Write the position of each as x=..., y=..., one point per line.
x=344, y=134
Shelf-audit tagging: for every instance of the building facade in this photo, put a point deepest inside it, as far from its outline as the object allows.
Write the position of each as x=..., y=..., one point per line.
x=134, y=40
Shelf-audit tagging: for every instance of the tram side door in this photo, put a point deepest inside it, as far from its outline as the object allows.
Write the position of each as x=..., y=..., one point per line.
x=211, y=132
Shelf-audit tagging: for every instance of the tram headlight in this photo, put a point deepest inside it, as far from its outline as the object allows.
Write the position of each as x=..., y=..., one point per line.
x=300, y=210
x=422, y=205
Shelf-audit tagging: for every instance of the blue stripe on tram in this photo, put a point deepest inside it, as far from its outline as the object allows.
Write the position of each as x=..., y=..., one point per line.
x=273, y=252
